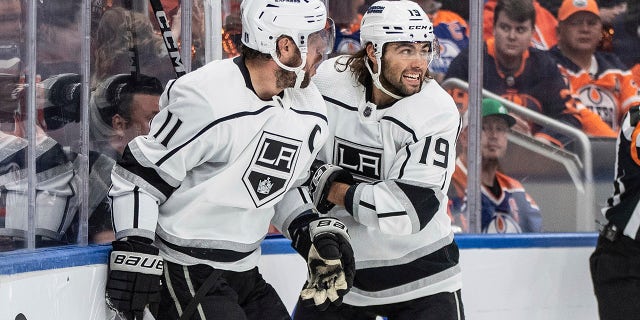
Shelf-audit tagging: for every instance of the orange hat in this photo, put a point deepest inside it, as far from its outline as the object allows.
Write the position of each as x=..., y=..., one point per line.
x=570, y=7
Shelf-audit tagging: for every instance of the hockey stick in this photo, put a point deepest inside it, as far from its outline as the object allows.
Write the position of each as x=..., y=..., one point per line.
x=134, y=57
x=169, y=43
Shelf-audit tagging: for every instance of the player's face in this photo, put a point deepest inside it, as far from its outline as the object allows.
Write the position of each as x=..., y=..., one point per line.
x=581, y=32
x=512, y=37
x=494, y=138
x=143, y=108
x=404, y=66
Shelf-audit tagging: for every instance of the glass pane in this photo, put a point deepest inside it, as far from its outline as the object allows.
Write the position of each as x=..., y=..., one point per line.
x=231, y=28
x=58, y=152
x=13, y=145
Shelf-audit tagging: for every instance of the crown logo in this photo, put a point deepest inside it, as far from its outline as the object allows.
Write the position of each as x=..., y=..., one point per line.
x=264, y=186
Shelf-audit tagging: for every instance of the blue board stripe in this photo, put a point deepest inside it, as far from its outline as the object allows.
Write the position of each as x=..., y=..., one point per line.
x=72, y=256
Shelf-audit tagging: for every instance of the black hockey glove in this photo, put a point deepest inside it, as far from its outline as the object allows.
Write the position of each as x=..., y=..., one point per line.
x=135, y=269
x=322, y=176
x=324, y=243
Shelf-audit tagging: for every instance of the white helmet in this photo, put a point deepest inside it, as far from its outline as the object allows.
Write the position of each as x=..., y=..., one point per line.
x=395, y=21
x=264, y=21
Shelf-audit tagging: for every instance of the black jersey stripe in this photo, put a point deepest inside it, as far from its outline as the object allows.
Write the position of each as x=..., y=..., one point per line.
x=219, y=255
x=169, y=89
x=311, y=113
x=339, y=103
x=367, y=205
x=150, y=175
x=369, y=279
x=136, y=206
x=166, y=140
x=423, y=200
x=304, y=199
x=51, y=158
x=66, y=212
x=404, y=164
x=402, y=125
x=209, y=126
x=164, y=125
x=392, y=214
x=17, y=158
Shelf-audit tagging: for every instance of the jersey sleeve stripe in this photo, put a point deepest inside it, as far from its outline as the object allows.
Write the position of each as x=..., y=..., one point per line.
x=209, y=126
x=340, y=104
x=402, y=125
x=404, y=163
x=367, y=205
x=311, y=113
x=392, y=214
x=164, y=125
x=423, y=200
x=175, y=128
x=133, y=171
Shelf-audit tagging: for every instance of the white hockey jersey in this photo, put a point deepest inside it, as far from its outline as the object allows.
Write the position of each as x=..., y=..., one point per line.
x=205, y=180
x=404, y=154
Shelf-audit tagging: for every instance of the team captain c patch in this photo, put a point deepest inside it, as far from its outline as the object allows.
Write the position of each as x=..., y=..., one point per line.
x=271, y=167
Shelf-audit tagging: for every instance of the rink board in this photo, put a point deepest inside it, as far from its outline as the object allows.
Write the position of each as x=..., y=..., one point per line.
x=535, y=276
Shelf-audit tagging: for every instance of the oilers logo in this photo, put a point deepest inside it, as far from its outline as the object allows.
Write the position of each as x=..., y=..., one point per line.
x=271, y=167
x=600, y=101
x=502, y=223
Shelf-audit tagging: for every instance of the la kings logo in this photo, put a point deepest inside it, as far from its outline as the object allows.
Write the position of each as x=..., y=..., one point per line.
x=271, y=167
x=363, y=162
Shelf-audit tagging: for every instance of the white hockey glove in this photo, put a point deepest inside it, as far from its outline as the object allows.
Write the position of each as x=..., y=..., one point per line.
x=324, y=242
x=135, y=269
x=322, y=176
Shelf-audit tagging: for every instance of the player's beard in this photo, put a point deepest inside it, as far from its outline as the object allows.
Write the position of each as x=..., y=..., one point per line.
x=396, y=88
x=287, y=79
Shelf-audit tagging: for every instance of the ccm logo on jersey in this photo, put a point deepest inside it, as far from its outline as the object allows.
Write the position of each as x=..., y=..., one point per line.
x=136, y=262
x=271, y=167
x=363, y=162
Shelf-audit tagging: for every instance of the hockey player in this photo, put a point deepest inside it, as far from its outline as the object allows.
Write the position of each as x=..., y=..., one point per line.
x=616, y=259
x=598, y=79
x=386, y=168
x=233, y=141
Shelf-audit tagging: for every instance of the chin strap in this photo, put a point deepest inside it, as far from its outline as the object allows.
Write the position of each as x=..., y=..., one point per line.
x=376, y=78
x=297, y=70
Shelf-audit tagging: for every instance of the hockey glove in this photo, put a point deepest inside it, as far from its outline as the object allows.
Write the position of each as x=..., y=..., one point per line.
x=322, y=176
x=135, y=269
x=324, y=242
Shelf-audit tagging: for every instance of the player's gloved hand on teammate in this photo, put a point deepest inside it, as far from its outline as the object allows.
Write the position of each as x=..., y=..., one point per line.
x=324, y=242
x=322, y=176
x=135, y=269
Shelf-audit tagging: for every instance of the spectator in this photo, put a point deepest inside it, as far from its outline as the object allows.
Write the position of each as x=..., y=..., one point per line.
x=506, y=206
x=598, y=79
x=347, y=19
x=615, y=261
x=452, y=33
x=226, y=155
x=520, y=73
x=626, y=40
x=390, y=159
x=543, y=30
